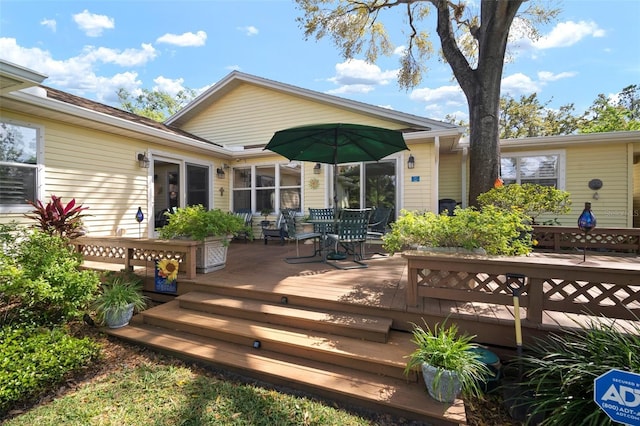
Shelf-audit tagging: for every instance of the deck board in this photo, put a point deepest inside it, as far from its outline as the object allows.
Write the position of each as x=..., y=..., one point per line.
x=382, y=286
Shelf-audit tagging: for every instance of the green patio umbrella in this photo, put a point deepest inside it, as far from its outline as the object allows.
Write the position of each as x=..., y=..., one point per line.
x=336, y=143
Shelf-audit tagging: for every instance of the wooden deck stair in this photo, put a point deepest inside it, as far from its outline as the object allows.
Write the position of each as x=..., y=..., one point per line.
x=343, y=356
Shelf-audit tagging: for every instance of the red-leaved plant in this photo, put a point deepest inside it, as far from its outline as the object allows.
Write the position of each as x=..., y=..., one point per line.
x=57, y=219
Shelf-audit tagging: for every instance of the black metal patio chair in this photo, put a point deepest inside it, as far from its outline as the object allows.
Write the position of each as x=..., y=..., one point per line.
x=294, y=233
x=279, y=230
x=351, y=235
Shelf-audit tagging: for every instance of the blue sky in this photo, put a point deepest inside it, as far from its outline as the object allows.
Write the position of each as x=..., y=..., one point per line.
x=92, y=48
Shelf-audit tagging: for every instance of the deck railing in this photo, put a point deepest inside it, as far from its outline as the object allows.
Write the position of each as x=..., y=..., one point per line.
x=565, y=238
x=131, y=252
x=553, y=282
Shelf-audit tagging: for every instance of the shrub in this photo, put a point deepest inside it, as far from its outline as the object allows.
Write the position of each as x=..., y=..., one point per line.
x=533, y=200
x=40, y=278
x=57, y=219
x=560, y=370
x=33, y=360
x=498, y=232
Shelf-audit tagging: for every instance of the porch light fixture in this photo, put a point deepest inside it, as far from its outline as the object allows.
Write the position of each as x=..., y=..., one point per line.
x=411, y=162
x=317, y=168
x=143, y=160
x=220, y=172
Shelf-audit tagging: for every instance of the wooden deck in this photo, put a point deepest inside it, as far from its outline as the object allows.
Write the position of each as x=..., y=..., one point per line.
x=341, y=334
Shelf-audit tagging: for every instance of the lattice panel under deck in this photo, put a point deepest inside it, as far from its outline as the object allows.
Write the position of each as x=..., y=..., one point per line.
x=97, y=251
x=592, y=294
x=149, y=255
x=482, y=282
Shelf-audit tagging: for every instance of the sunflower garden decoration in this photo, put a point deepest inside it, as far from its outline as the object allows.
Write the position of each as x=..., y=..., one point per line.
x=166, y=276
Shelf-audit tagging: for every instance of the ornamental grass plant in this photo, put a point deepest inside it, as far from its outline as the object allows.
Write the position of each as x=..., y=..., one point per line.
x=559, y=371
x=448, y=350
x=118, y=291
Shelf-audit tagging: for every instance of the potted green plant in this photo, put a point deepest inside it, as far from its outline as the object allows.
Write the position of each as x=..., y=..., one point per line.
x=449, y=364
x=120, y=295
x=213, y=228
x=265, y=212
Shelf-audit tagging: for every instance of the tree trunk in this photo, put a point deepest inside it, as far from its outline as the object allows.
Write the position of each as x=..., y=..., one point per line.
x=481, y=85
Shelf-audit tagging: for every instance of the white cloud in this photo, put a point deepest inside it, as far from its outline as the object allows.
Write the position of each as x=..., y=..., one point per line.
x=93, y=24
x=440, y=101
x=233, y=67
x=399, y=50
x=76, y=75
x=545, y=76
x=249, y=30
x=444, y=95
x=358, y=76
x=518, y=84
x=185, y=39
x=568, y=33
x=168, y=85
x=49, y=23
x=124, y=58
x=351, y=89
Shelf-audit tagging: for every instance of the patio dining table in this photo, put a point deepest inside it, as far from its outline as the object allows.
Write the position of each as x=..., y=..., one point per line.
x=324, y=230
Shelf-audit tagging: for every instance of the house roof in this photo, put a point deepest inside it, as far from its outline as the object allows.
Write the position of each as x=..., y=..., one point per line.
x=236, y=78
x=538, y=142
x=115, y=112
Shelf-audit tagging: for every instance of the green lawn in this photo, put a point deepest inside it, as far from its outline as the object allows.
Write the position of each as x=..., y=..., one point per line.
x=165, y=394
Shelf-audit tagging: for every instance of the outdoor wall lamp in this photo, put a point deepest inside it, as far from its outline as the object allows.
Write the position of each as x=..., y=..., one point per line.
x=411, y=162
x=143, y=160
x=220, y=172
x=316, y=169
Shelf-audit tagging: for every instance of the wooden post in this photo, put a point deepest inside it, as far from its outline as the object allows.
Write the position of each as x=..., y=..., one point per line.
x=536, y=300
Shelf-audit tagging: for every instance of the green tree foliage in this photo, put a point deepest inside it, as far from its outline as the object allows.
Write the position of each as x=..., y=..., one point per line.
x=155, y=104
x=618, y=113
x=473, y=42
x=528, y=117
x=533, y=200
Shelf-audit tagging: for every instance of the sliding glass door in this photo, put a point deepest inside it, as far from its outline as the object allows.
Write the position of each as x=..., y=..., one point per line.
x=367, y=185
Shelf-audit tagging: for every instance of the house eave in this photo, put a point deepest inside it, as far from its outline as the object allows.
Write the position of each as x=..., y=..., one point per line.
x=235, y=78
x=567, y=140
x=36, y=98
x=14, y=77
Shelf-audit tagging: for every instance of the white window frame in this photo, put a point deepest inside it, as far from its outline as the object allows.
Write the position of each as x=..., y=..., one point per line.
x=39, y=166
x=254, y=188
x=561, y=154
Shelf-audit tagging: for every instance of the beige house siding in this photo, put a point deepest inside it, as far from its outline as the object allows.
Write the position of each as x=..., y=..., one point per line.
x=419, y=195
x=101, y=172
x=450, y=179
x=609, y=164
x=249, y=115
